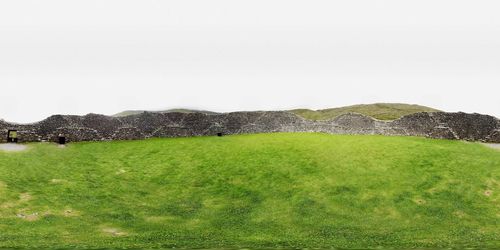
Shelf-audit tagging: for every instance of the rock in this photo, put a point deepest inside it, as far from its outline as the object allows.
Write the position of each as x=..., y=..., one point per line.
x=93, y=127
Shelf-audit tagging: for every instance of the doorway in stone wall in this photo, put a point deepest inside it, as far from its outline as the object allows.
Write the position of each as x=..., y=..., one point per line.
x=12, y=136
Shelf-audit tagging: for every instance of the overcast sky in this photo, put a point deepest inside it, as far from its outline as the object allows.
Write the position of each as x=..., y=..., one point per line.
x=78, y=57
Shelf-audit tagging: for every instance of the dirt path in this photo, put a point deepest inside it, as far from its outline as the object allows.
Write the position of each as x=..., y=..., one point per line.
x=493, y=145
x=12, y=147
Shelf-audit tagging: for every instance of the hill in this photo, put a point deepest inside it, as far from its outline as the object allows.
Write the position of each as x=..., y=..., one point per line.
x=288, y=190
x=381, y=111
x=136, y=112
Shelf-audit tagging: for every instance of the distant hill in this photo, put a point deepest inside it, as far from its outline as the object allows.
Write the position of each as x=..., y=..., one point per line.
x=135, y=112
x=381, y=111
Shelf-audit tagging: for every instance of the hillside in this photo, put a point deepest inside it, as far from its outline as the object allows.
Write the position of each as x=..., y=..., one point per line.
x=381, y=111
x=135, y=112
x=289, y=190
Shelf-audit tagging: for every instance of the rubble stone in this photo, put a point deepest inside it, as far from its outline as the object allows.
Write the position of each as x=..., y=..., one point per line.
x=94, y=127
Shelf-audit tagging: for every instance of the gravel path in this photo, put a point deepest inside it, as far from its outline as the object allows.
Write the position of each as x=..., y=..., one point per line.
x=12, y=147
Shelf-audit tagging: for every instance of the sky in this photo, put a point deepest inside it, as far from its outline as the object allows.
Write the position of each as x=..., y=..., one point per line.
x=106, y=56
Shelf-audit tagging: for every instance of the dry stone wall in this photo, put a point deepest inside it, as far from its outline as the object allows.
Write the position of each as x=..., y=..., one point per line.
x=93, y=127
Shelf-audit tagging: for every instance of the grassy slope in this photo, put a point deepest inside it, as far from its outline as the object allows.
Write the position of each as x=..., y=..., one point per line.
x=136, y=112
x=381, y=111
x=267, y=190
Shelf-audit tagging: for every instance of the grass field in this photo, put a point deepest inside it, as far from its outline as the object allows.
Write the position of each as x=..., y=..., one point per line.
x=265, y=190
x=381, y=111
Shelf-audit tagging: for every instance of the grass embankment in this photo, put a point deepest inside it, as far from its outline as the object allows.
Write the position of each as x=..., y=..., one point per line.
x=266, y=190
x=381, y=111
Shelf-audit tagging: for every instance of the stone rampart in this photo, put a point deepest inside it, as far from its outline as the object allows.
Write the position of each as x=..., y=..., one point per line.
x=93, y=127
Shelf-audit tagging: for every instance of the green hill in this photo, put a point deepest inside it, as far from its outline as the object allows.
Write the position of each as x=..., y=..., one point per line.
x=283, y=190
x=381, y=111
x=136, y=112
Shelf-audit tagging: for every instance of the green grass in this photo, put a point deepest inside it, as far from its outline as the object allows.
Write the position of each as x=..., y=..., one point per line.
x=265, y=190
x=381, y=111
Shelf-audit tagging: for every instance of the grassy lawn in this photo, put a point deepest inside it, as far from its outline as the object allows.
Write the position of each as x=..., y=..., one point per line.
x=265, y=190
x=381, y=111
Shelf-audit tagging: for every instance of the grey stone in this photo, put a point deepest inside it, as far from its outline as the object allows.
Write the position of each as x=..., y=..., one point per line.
x=94, y=127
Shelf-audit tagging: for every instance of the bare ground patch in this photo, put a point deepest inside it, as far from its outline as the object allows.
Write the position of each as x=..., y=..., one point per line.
x=25, y=197
x=113, y=231
x=69, y=212
x=12, y=147
x=493, y=145
x=120, y=171
x=56, y=181
x=29, y=217
x=420, y=201
x=159, y=219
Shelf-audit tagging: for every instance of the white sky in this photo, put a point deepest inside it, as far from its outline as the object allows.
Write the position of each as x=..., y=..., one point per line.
x=77, y=57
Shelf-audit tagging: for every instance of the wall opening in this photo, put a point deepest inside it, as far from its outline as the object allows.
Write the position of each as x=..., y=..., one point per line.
x=62, y=140
x=12, y=136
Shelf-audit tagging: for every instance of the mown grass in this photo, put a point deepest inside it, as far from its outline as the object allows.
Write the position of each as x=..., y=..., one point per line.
x=265, y=190
x=381, y=111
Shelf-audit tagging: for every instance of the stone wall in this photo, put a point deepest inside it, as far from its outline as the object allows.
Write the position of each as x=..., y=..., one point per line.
x=93, y=127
